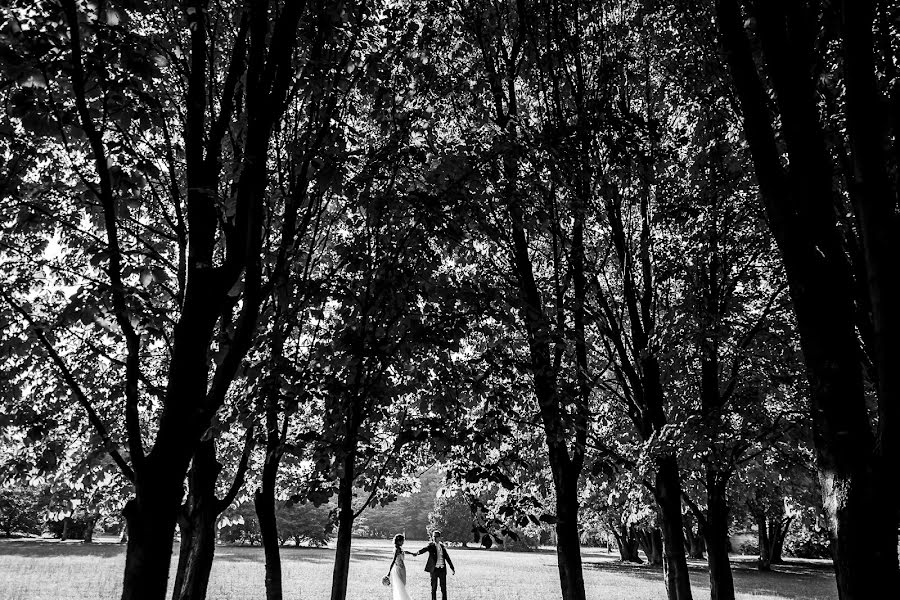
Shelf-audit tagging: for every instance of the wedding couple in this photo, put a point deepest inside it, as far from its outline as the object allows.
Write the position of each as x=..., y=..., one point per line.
x=438, y=561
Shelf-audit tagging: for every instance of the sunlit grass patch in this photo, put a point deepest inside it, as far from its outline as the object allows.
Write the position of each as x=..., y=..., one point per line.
x=32, y=570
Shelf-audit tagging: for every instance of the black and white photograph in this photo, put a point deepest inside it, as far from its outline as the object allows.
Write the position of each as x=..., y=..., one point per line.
x=449, y=299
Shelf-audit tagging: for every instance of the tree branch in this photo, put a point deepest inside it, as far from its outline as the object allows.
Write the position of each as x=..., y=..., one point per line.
x=107, y=200
x=74, y=387
x=238, y=482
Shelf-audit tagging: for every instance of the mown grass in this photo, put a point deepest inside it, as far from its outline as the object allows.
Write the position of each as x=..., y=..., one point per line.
x=42, y=570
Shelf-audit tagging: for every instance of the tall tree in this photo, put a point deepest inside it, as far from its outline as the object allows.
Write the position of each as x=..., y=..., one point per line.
x=783, y=50
x=310, y=153
x=499, y=33
x=236, y=68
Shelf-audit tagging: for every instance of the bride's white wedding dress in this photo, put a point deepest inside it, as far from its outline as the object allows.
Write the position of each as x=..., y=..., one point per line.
x=398, y=577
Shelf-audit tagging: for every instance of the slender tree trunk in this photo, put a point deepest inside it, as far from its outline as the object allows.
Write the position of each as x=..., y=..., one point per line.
x=568, y=542
x=264, y=501
x=89, y=525
x=765, y=558
x=667, y=486
x=198, y=526
x=565, y=468
x=721, y=580
x=345, y=529
x=668, y=499
x=64, y=535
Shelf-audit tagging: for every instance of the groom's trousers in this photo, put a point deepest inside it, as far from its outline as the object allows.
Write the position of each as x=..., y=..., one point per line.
x=439, y=575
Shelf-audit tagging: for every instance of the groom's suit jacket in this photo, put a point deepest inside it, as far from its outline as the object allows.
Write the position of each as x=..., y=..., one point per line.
x=431, y=548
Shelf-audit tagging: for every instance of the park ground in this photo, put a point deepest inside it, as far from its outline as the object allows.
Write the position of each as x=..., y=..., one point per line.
x=51, y=570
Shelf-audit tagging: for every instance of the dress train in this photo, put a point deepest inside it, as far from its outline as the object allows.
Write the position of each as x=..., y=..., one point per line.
x=398, y=578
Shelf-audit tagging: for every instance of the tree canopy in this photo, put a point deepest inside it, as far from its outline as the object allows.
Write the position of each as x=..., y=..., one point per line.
x=613, y=268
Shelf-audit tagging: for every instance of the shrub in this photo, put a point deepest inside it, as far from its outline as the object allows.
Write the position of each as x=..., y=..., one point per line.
x=296, y=522
x=19, y=512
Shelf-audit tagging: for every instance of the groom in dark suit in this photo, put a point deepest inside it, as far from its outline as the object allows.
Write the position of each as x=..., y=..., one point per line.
x=438, y=561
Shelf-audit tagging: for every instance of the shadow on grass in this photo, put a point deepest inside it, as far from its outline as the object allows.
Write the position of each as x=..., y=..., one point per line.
x=800, y=580
x=237, y=553
x=814, y=568
x=38, y=548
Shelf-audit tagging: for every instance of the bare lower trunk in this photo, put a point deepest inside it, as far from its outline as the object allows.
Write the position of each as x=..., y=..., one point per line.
x=765, y=558
x=64, y=535
x=627, y=542
x=264, y=500
x=90, y=524
x=778, y=538
x=651, y=543
x=151, y=517
x=864, y=541
x=695, y=544
x=721, y=580
x=198, y=526
x=345, y=530
x=195, y=560
x=772, y=531
x=568, y=542
x=668, y=499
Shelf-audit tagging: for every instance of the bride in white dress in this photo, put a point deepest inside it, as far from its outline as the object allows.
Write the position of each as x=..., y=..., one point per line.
x=397, y=570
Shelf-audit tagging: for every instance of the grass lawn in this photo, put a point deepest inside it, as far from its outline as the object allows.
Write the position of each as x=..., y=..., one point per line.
x=50, y=570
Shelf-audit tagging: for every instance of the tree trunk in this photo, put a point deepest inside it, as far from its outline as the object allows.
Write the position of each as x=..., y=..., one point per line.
x=668, y=499
x=195, y=560
x=778, y=540
x=694, y=541
x=64, y=535
x=857, y=484
x=651, y=543
x=152, y=516
x=264, y=501
x=345, y=529
x=870, y=127
x=765, y=557
x=721, y=580
x=568, y=547
x=198, y=526
x=89, y=524
x=696, y=546
x=627, y=542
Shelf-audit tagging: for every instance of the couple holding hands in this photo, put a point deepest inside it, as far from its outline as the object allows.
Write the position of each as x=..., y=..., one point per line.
x=438, y=561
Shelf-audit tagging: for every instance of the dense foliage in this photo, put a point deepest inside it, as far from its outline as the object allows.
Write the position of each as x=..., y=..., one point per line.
x=619, y=269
